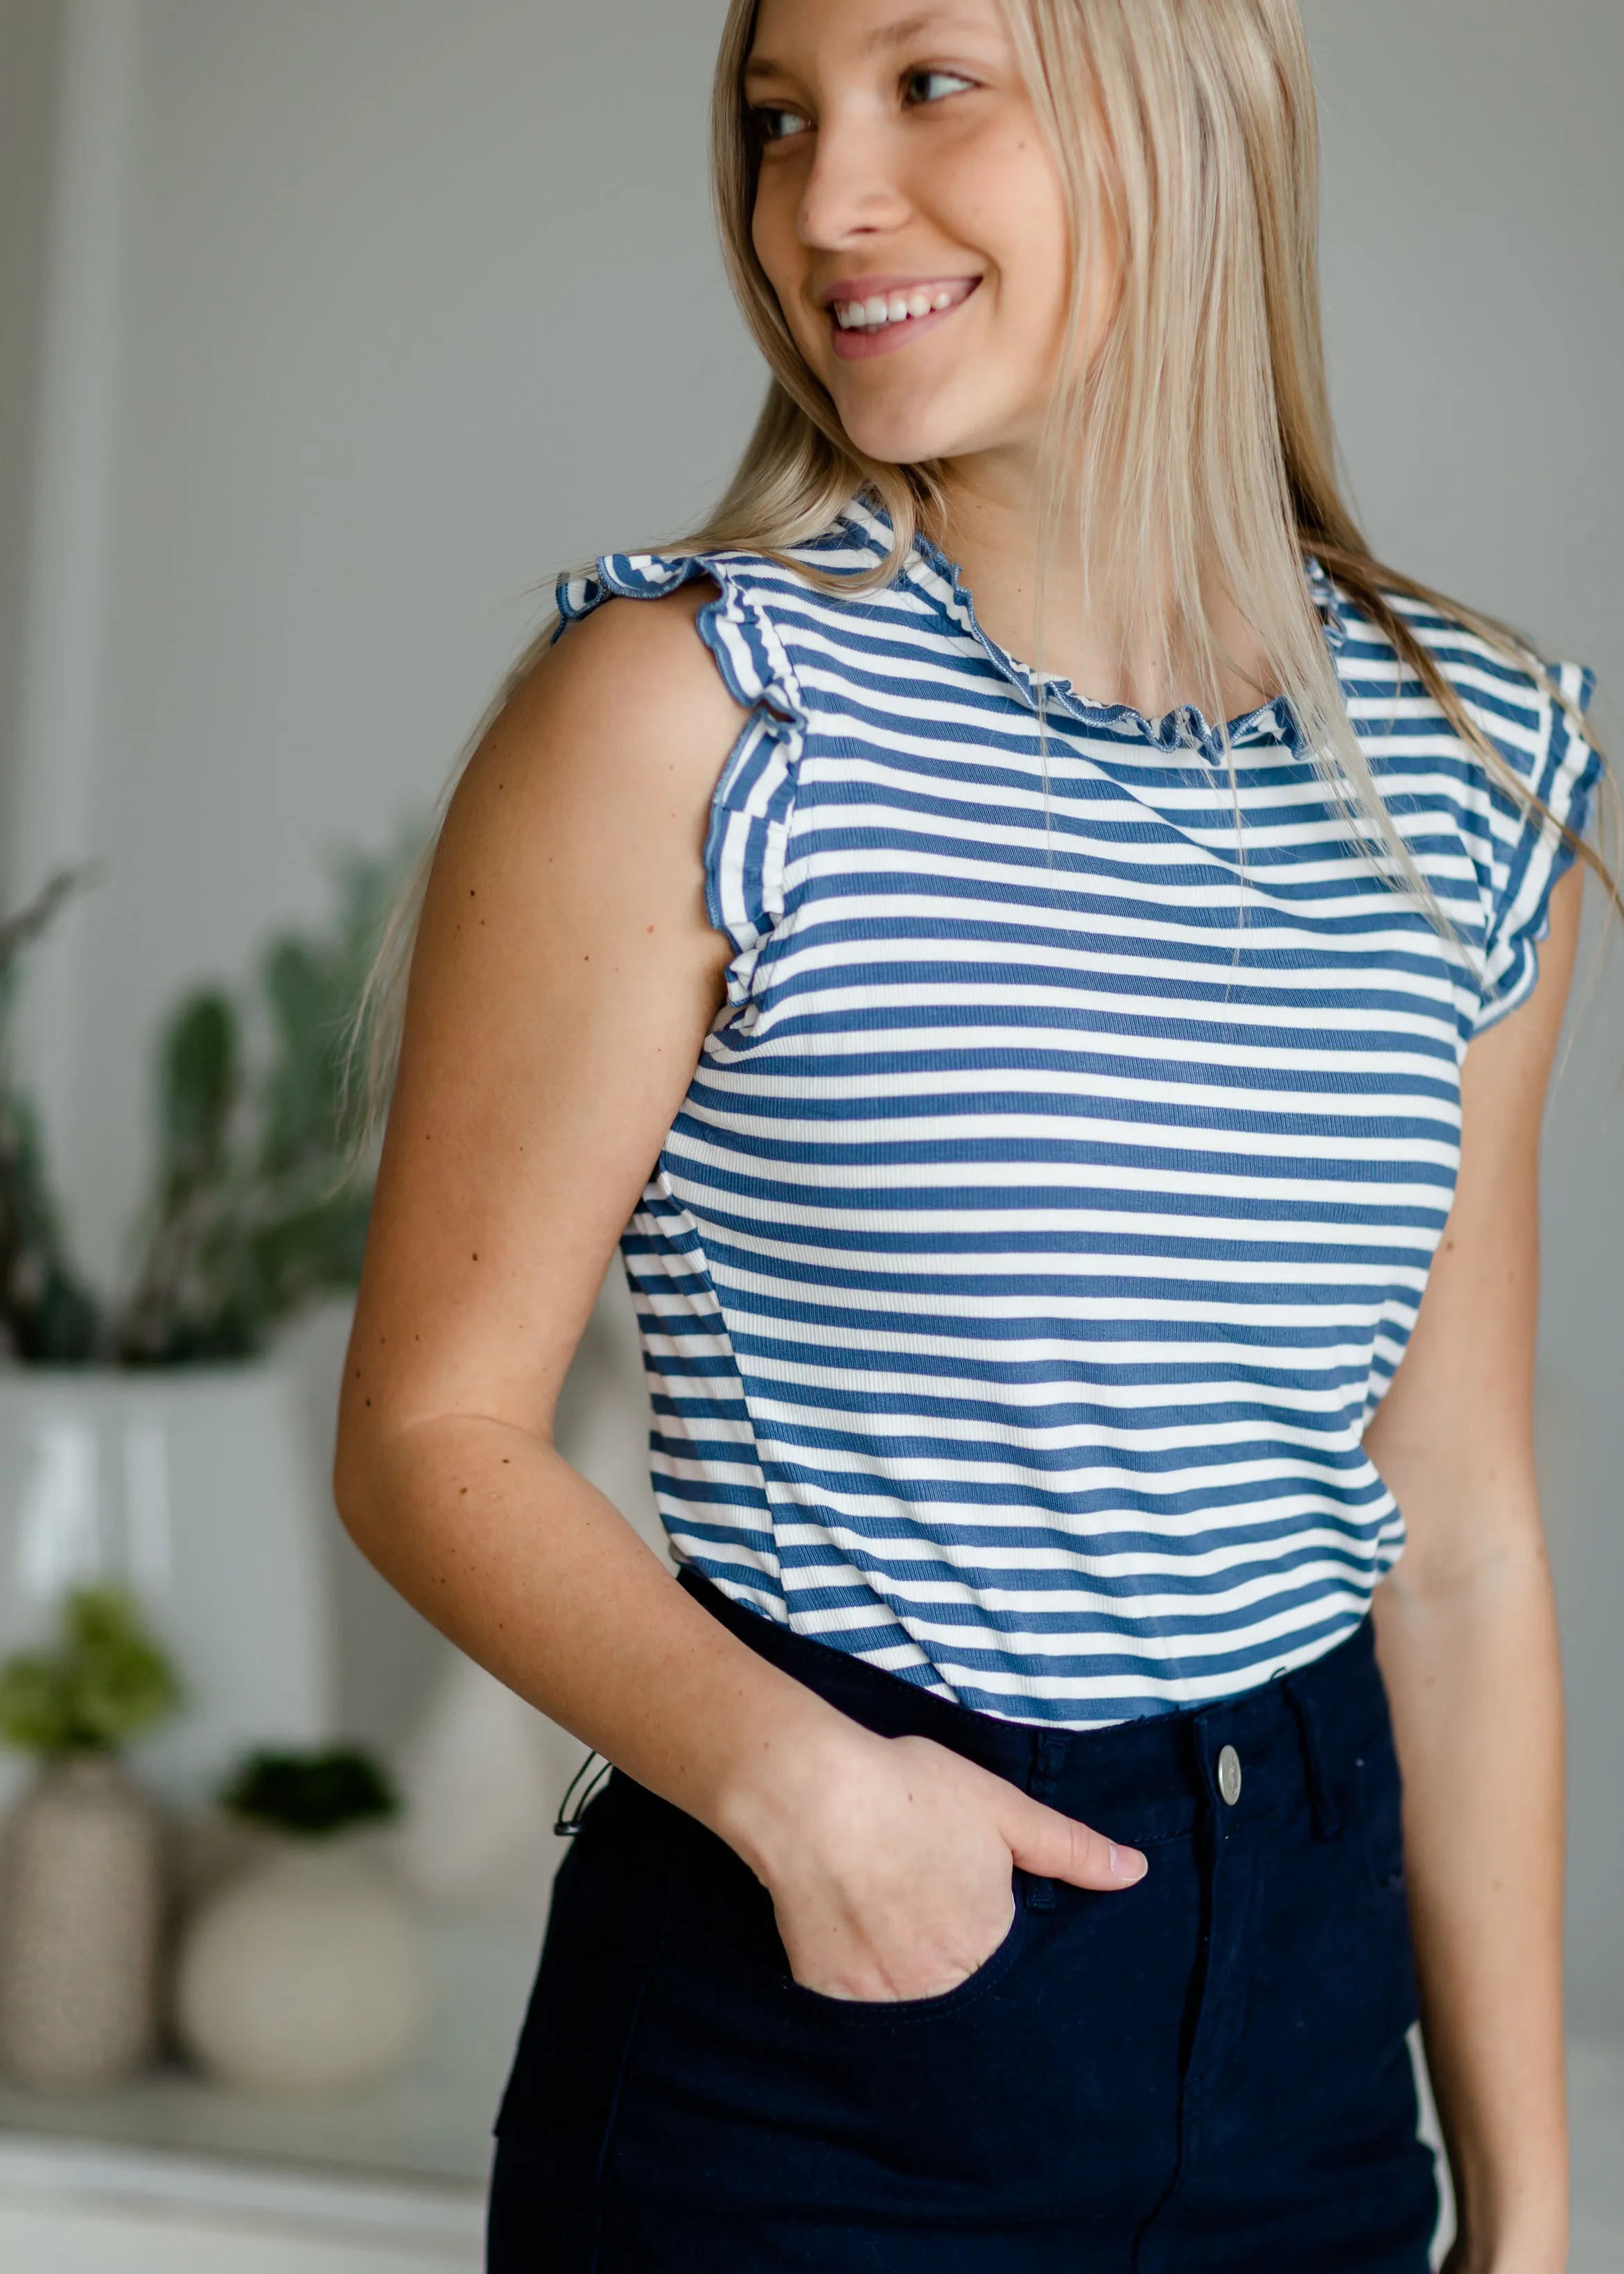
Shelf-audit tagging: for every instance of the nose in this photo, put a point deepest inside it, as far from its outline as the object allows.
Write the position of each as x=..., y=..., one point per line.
x=852, y=191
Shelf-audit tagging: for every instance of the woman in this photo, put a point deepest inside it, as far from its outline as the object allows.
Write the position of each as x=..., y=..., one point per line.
x=1030, y=1116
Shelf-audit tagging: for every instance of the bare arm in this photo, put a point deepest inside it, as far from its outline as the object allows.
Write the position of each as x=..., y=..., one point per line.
x=564, y=980
x=1467, y=1635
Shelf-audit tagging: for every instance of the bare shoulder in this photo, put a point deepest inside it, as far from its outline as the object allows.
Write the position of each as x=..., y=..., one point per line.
x=579, y=824
x=632, y=685
x=600, y=765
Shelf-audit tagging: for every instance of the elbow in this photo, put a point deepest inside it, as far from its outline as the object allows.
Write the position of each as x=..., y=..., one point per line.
x=357, y=1465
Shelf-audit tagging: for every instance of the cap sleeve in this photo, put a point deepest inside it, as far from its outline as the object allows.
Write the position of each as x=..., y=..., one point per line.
x=1528, y=852
x=753, y=799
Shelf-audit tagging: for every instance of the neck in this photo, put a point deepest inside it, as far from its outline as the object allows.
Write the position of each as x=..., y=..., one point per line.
x=992, y=527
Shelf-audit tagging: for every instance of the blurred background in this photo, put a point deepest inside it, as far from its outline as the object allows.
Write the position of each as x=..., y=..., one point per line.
x=330, y=330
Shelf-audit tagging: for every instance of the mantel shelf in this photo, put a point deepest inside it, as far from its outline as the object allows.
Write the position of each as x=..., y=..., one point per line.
x=431, y=2126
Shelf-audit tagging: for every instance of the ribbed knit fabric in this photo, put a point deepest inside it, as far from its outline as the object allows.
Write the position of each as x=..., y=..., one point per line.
x=1054, y=1198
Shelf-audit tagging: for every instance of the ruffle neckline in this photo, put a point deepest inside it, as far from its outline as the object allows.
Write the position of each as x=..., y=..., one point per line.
x=1181, y=730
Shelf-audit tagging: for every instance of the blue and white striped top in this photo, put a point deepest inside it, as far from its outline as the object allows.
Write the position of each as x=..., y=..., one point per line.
x=1056, y=1193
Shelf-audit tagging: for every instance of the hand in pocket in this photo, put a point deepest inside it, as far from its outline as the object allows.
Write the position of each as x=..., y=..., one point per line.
x=890, y=1866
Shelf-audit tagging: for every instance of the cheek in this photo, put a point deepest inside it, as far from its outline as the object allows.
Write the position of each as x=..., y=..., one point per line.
x=772, y=233
x=1010, y=205
x=776, y=241
x=1041, y=253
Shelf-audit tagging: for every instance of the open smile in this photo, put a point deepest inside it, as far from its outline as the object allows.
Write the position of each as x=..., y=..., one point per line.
x=873, y=315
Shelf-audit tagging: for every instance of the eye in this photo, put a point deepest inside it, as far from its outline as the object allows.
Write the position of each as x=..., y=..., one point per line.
x=776, y=122
x=923, y=86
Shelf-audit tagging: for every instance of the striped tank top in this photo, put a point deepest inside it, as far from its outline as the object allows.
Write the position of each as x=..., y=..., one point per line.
x=1057, y=1189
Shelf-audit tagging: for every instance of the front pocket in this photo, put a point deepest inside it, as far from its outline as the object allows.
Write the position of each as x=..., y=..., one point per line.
x=992, y=1970
x=753, y=2105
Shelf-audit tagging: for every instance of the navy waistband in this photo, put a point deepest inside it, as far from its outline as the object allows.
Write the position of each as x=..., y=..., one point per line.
x=1303, y=1737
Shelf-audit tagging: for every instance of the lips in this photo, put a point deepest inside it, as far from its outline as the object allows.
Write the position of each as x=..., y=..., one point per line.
x=875, y=315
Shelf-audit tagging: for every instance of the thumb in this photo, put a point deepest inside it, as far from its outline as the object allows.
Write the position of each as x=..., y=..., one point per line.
x=1054, y=1847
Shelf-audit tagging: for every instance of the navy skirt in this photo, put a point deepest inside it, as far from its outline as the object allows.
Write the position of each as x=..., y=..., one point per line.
x=1206, y=2074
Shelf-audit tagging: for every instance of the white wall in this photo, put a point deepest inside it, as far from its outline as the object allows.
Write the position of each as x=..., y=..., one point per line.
x=417, y=302
x=421, y=307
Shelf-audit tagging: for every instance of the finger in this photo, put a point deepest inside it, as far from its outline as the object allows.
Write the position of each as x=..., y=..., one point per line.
x=1053, y=1846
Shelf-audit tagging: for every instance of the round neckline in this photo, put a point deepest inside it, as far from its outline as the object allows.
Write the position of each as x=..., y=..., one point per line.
x=1186, y=728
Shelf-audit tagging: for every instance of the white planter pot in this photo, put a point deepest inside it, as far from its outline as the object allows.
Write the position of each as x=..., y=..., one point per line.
x=305, y=1977
x=194, y=1487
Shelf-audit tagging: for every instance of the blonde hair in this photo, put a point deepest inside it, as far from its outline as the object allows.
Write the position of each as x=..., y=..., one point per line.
x=1199, y=439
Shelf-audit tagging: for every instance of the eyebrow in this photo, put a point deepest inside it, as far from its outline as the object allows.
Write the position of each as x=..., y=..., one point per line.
x=897, y=34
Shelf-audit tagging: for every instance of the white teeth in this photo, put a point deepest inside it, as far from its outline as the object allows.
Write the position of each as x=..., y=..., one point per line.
x=892, y=308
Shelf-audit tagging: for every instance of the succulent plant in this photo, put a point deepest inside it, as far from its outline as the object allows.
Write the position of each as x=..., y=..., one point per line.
x=313, y=1793
x=108, y=1681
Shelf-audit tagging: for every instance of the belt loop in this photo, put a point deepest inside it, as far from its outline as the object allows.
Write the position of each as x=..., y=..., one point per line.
x=1325, y=1818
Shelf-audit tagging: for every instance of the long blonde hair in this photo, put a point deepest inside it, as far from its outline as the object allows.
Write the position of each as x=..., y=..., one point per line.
x=1198, y=437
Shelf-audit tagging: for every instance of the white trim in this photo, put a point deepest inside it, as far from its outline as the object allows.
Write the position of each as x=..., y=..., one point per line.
x=149, y=2183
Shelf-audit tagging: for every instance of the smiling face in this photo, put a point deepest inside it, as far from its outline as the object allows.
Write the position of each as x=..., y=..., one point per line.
x=912, y=220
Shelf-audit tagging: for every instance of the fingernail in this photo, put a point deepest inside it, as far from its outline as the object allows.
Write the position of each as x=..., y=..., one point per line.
x=1127, y=1865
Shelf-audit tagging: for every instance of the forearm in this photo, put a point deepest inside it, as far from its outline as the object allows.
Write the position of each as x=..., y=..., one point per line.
x=531, y=1571
x=1470, y=1656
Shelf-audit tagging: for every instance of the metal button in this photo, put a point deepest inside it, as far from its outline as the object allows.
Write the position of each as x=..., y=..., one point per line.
x=1229, y=1775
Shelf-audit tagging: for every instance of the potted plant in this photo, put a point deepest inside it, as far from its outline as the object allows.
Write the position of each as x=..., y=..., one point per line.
x=305, y=1975
x=82, y=1909
x=150, y=1436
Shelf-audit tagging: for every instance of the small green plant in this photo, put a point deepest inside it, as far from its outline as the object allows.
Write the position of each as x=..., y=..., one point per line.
x=106, y=1683
x=258, y=1204
x=313, y=1794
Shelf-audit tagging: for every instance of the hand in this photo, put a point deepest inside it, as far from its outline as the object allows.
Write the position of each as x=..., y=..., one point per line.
x=889, y=1862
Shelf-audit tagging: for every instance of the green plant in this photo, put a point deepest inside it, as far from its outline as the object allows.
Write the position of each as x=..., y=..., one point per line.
x=313, y=1794
x=106, y=1681
x=257, y=1204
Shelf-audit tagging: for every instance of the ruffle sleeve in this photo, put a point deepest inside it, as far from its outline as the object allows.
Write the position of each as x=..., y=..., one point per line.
x=1528, y=852
x=751, y=808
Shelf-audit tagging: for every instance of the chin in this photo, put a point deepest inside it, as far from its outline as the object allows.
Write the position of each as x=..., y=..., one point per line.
x=901, y=437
